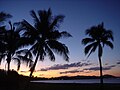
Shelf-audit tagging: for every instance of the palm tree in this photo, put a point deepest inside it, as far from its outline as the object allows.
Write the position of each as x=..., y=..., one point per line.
x=44, y=36
x=3, y=17
x=98, y=38
x=12, y=42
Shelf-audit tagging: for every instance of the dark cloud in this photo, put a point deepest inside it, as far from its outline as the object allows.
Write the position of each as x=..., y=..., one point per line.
x=98, y=68
x=24, y=71
x=41, y=75
x=106, y=63
x=87, y=72
x=66, y=66
x=72, y=71
x=118, y=62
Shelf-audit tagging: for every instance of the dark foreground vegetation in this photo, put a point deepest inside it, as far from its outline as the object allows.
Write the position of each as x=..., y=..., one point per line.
x=18, y=82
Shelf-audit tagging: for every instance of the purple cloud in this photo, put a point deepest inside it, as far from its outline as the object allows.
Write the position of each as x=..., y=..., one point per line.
x=71, y=71
x=98, y=68
x=66, y=66
x=118, y=62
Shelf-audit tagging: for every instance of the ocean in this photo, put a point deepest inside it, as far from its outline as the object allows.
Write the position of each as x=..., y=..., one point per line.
x=106, y=80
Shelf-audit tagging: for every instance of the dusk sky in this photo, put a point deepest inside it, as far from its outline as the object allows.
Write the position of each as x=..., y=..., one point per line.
x=79, y=16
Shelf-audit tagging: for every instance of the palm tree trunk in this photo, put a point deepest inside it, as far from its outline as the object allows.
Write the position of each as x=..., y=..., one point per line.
x=101, y=75
x=8, y=68
x=8, y=71
x=8, y=61
x=32, y=70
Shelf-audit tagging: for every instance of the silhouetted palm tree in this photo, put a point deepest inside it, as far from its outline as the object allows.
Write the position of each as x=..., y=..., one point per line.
x=3, y=17
x=44, y=36
x=98, y=38
x=11, y=42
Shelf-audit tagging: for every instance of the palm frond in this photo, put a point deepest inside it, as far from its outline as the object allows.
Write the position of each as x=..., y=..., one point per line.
x=91, y=31
x=4, y=16
x=49, y=14
x=36, y=19
x=65, y=34
x=25, y=52
x=2, y=57
x=57, y=35
x=108, y=43
x=87, y=40
x=50, y=53
x=27, y=26
x=18, y=62
x=55, y=23
x=59, y=48
x=23, y=59
x=88, y=48
x=109, y=34
x=93, y=48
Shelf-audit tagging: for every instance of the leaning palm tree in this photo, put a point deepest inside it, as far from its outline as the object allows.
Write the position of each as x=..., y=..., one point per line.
x=98, y=38
x=44, y=36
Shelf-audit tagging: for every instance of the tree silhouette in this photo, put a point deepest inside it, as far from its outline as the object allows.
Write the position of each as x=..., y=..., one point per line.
x=3, y=17
x=10, y=43
x=44, y=36
x=98, y=38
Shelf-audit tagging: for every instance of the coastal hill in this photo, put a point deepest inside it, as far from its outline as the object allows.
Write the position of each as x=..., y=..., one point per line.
x=75, y=77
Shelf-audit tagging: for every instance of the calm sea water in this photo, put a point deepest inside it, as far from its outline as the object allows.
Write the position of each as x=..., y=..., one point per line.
x=106, y=80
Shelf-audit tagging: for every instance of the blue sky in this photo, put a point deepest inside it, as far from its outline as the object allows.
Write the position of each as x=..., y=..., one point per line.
x=79, y=16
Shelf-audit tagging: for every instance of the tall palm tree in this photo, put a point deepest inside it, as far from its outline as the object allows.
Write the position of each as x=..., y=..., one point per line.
x=44, y=36
x=11, y=42
x=98, y=38
x=3, y=17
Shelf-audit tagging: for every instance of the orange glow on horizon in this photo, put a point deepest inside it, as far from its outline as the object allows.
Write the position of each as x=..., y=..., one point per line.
x=56, y=73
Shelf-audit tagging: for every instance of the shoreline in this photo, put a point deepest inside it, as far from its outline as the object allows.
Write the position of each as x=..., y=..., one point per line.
x=72, y=86
x=80, y=81
x=65, y=86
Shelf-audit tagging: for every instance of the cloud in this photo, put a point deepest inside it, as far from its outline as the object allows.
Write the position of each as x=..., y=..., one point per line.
x=24, y=71
x=98, y=68
x=118, y=62
x=71, y=71
x=41, y=75
x=66, y=66
x=106, y=63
